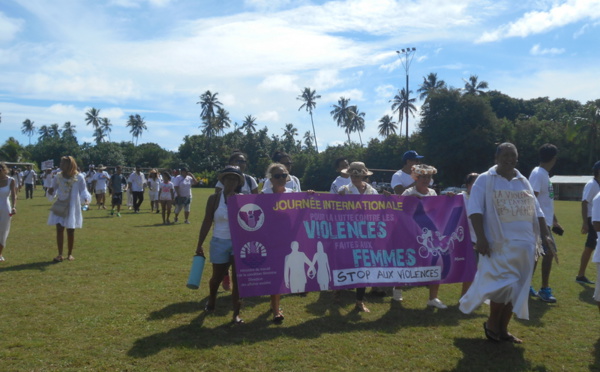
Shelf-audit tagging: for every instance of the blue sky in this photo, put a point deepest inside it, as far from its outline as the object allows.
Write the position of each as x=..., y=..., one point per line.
x=156, y=57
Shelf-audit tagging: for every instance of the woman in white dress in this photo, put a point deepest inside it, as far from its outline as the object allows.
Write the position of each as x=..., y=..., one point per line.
x=507, y=221
x=154, y=189
x=68, y=185
x=8, y=203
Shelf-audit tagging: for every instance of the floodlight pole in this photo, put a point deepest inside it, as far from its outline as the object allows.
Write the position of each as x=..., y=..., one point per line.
x=406, y=57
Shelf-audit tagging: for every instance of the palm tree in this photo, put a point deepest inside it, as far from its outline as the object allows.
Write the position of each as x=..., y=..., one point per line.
x=28, y=128
x=473, y=87
x=309, y=97
x=98, y=135
x=55, y=130
x=209, y=102
x=44, y=133
x=249, y=124
x=222, y=120
x=357, y=121
x=430, y=84
x=341, y=115
x=404, y=105
x=387, y=126
x=68, y=129
x=289, y=132
x=308, y=144
x=138, y=126
x=106, y=127
x=92, y=116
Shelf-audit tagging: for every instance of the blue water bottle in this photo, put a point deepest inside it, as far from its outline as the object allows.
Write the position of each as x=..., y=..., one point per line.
x=196, y=272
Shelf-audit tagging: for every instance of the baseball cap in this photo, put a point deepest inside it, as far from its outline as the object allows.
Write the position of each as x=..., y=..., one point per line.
x=411, y=155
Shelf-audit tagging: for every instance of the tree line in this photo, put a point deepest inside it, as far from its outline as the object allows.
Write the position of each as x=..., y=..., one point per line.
x=458, y=132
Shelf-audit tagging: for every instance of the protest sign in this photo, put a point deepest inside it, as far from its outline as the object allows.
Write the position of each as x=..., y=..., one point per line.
x=300, y=242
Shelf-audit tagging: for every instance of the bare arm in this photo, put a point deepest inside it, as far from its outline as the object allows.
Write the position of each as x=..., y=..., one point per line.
x=584, y=213
x=209, y=214
x=482, y=244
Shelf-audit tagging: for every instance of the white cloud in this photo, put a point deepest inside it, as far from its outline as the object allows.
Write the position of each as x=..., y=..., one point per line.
x=269, y=116
x=536, y=50
x=326, y=79
x=542, y=21
x=9, y=27
x=353, y=94
x=284, y=83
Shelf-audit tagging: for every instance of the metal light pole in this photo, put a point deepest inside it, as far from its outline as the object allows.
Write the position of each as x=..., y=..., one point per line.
x=406, y=57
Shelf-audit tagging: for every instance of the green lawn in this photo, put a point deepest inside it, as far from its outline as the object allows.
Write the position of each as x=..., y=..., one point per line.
x=123, y=305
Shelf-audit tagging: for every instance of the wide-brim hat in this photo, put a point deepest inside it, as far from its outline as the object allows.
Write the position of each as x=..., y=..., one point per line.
x=357, y=168
x=231, y=169
x=101, y=167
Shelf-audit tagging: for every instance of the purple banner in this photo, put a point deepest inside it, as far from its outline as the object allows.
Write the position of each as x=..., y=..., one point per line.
x=298, y=242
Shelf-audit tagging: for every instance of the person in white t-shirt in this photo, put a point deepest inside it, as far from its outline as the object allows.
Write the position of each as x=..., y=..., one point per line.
x=293, y=182
x=136, y=182
x=29, y=179
x=596, y=259
x=544, y=192
x=239, y=159
x=591, y=189
x=403, y=179
x=99, y=184
x=423, y=175
x=183, y=188
x=343, y=179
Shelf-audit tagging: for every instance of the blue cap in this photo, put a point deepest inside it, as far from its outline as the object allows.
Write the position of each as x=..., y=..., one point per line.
x=411, y=155
x=596, y=166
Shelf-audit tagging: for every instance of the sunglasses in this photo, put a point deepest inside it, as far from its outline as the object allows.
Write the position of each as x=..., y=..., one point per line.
x=280, y=176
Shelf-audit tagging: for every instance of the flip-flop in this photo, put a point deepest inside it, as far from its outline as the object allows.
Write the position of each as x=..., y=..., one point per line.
x=58, y=259
x=237, y=321
x=71, y=258
x=491, y=335
x=511, y=338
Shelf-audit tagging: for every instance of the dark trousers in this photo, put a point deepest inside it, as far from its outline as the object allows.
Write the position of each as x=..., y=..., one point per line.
x=138, y=198
x=29, y=190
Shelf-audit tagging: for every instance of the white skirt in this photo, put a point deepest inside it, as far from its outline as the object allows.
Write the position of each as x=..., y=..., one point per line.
x=503, y=277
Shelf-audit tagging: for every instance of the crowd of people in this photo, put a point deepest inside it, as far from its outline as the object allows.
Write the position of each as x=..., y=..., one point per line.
x=511, y=220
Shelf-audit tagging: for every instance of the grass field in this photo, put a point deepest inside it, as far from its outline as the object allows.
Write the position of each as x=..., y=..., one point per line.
x=123, y=305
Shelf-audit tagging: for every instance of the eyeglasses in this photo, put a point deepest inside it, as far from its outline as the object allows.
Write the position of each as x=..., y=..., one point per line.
x=279, y=176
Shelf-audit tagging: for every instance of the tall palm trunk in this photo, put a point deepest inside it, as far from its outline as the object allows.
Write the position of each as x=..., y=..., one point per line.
x=314, y=133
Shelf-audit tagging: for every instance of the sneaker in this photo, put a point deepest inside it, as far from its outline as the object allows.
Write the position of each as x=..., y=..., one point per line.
x=397, y=294
x=546, y=295
x=436, y=303
x=583, y=280
x=2, y=259
x=112, y=212
x=533, y=292
x=227, y=283
x=175, y=220
x=187, y=222
x=118, y=214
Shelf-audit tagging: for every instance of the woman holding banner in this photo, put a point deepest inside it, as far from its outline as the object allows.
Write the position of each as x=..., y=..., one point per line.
x=221, y=250
x=358, y=173
x=423, y=174
x=507, y=220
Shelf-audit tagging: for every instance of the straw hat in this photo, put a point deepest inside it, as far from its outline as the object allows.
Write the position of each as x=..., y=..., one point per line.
x=101, y=167
x=357, y=168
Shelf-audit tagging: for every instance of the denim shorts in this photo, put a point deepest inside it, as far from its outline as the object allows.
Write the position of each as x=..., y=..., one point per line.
x=220, y=250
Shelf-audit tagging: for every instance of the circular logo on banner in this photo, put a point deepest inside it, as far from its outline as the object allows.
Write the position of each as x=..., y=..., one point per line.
x=253, y=254
x=251, y=217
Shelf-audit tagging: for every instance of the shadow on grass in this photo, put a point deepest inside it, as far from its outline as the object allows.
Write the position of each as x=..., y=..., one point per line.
x=333, y=320
x=40, y=266
x=596, y=365
x=484, y=355
x=537, y=311
x=587, y=295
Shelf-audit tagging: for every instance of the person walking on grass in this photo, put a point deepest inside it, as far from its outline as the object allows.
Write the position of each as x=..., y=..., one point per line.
x=68, y=187
x=544, y=192
x=183, y=188
x=153, y=190
x=29, y=179
x=596, y=258
x=117, y=185
x=221, y=249
x=137, y=184
x=591, y=189
x=8, y=204
x=99, y=181
x=166, y=197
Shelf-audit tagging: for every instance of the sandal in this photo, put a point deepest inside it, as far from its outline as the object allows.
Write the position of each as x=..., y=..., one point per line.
x=360, y=306
x=511, y=338
x=237, y=321
x=278, y=318
x=71, y=258
x=58, y=259
x=491, y=335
